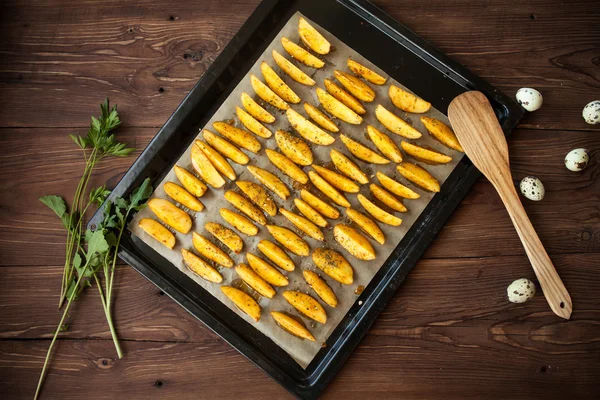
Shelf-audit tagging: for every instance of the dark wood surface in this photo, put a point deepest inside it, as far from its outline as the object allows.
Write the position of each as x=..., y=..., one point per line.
x=448, y=333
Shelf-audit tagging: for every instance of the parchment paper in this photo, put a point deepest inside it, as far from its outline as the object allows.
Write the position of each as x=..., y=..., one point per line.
x=303, y=351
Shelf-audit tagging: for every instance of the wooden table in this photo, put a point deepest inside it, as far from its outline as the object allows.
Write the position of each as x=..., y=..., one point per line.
x=449, y=332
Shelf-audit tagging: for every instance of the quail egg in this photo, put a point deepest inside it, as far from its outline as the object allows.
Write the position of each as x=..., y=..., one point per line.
x=577, y=160
x=520, y=291
x=530, y=99
x=591, y=112
x=532, y=188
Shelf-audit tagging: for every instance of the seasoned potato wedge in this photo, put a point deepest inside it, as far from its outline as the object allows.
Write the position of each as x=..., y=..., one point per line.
x=298, y=53
x=355, y=86
x=239, y=222
x=265, y=93
x=276, y=255
x=271, y=181
x=365, y=223
x=211, y=251
x=242, y=301
x=189, y=181
x=407, y=101
x=303, y=224
x=307, y=129
x=363, y=152
x=396, y=187
x=365, y=72
x=182, y=196
x=336, y=180
x=290, y=325
x=347, y=167
x=205, y=168
x=240, y=137
x=254, y=280
x=256, y=110
x=245, y=206
x=226, y=236
x=337, y=108
x=294, y=72
x=334, y=265
x=320, y=287
x=219, y=162
x=354, y=242
x=252, y=124
x=294, y=148
x=424, y=154
x=378, y=213
x=395, y=124
x=266, y=271
x=419, y=176
x=319, y=205
x=442, y=133
x=327, y=189
x=310, y=213
x=200, y=267
x=384, y=144
x=277, y=85
x=289, y=240
x=157, y=232
x=226, y=148
x=387, y=198
x=259, y=196
x=312, y=38
x=306, y=305
x=344, y=97
x=171, y=215
x=320, y=118
x=287, y=166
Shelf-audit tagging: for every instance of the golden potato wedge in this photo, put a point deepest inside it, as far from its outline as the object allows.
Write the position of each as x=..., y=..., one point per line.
x=254, y=280
x=347, y=167
x=277, y=85
x=336, y=180
x=363, y=152
x=396, y=187
x=294, y=72
x=239, y=222
x=307, y=129
x=303, y=224
x=407, y=101
x=343, y=96
x=276, y=255
x=189, y=181
x=158, y=232
x=271, y=181
x=384, y=144
x=171, y=215
x=319, y=205
x=226, y=236
x=419, y=176
x=306, y=305
x=240, y=137
x=287, y=166
x=266, y=271
x=442, y=133
x=298, y=53
x=200, y=267
x=290, y=325
x=424, y=154
x=211, y=251
x=320, y=118
x=365, y=223
x=334, y=265
x=355, y=86
x=226, y=148
x=252, y=124
x=294, y=148
x=243, y=301
x=289, y=240
x=205, y=168
x=259, y=196
x=365, y=72
x=321, y=288
x=265, y=93
x=219, y=162
x=378, y=213
x=312, y=38
x=328, y=190
x=310, y=213
x=182, y=196
x=354, y=242
x=387, y=198
x=337, y=108
x=395, y=124
x=256, y=110
x=245, y=206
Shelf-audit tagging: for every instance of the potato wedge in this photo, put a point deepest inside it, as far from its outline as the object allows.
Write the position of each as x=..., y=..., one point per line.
x=205, y=168
x=256, y=110
x=294, y=72
x=334, y=265
x=182, y=196
x=327, y=189
x=319, y=205
x=277, y=85
x=226, y=236
x=158, y=232
x=276, y=255
x=320, y=287
x=245, y=206
x=365, y=223
x=287, y=166
x=259, y=196
x=289, y=240
x=312, y=38
x=345, y=97
x=303, y=224
x=384, y=144
x=211, y=251
x=254, y=280
x=226, y=148
x=189, y=181
x=396, y=187
x=336, y=180
x=271, y=181
x=354, y=242
x=252, y=124
x=219, y=162
x=310, y=213
x=239, y=222
x=424, y=154
x=407, y=101
x=298, y=53
x=355, y=86
x=347, y=167
x=337, y=108
x=442, y=133
x=387, y=198
x=243, y=301
x=292, y=326
x=307, y=129
x=320, y=118
x=266, y=271
x=378, y=213
x=240, y=137
x=306, y=305
x=419, y=176
x=171, y=215
x=200, y=267
x=365, y=72
x=265, y=93
x=395, y=124
x=294, y=148
x=363, y=152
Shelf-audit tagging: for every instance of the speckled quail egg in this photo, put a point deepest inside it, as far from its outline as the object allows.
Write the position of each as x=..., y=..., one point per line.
x=530, y=99
x=577, y=160
x=591, y=112
x=532, y=188
x=520, y=291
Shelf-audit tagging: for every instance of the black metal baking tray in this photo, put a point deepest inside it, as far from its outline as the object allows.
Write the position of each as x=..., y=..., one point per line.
x=402, y=55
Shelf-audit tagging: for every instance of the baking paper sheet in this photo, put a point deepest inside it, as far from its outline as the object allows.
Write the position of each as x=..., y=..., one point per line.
x=303, y=351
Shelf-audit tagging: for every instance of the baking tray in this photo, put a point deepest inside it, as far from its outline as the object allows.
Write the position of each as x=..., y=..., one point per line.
x=398, y=52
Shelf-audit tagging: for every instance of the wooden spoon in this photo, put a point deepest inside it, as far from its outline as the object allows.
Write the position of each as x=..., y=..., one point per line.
x=481, y=136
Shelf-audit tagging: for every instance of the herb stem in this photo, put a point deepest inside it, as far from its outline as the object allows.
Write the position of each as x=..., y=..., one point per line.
x=108, y=314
